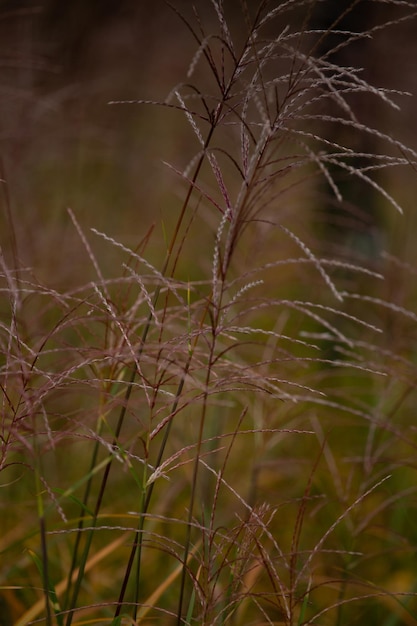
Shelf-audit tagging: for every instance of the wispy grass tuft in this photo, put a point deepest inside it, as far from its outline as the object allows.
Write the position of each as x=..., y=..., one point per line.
x=223, y=435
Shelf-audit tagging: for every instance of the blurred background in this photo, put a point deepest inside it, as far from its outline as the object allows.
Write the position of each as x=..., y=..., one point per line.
x=62, y=144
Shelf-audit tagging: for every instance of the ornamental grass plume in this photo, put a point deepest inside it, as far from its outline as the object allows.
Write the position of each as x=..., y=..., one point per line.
x=222, y=435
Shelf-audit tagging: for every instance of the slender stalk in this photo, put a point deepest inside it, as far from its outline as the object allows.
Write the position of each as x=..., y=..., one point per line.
x=42, y=527
x=200, y=437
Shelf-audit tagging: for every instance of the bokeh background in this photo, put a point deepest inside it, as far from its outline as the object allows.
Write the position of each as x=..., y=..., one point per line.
x=63, y=145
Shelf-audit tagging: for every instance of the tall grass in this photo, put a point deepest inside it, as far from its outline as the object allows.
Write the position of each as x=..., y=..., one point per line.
x=223, y=436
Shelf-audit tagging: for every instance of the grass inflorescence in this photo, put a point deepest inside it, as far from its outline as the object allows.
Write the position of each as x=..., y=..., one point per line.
x=222, y=435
